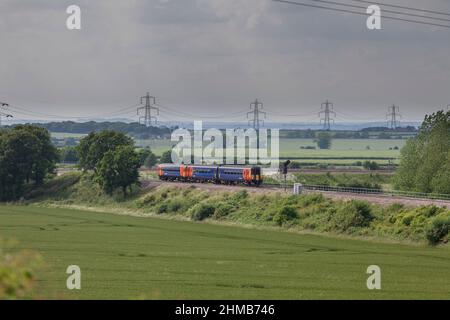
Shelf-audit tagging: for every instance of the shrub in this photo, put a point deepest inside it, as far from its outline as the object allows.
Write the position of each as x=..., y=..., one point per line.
x=353, y=214
x=175, y=205
x=163, y=208
x=438, y=230
x=18, y=274
x=310, y=199
x=285, y=214
x=202, y=211
x=222, y=210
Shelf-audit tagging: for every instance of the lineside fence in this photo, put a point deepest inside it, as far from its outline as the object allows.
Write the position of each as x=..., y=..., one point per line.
x=300, y=188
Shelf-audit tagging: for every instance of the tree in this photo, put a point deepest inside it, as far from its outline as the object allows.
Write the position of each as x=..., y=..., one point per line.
x=324, y=140
x=118, y=168
x=371, y=165
x=93, y=147
x=166, y=157
x=147, y=157
x=425, y=159
x=46, y=157
x=68, y=155
x=26, y=154
x=151, y=160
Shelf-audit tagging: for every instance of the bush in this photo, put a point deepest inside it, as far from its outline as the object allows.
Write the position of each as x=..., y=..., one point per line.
x=353, y=214
x=222, y=210
x=438, y=230
x=163, y=208
x=285, y=214
x=202, y=211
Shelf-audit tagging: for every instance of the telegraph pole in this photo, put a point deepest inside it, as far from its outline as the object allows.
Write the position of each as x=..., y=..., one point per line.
x=147, y=118
x=393, y=116
x=256, y=108
x=328, y=113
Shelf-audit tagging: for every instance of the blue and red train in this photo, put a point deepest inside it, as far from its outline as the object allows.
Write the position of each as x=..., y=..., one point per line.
x=216, y=174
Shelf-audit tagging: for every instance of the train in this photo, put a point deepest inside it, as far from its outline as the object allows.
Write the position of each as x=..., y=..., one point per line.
x=251, y=176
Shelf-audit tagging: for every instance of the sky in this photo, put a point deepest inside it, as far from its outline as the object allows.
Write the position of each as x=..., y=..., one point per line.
x=209, y=59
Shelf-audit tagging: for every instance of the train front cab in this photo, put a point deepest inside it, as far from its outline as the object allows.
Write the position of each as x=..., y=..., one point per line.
x=252, y=176
x=169, y=172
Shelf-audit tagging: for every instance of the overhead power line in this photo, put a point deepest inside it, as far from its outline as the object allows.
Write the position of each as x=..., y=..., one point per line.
x=3, y=105
x=359, y=13
x=403, y=7
x=32, y=113
x=384, y=10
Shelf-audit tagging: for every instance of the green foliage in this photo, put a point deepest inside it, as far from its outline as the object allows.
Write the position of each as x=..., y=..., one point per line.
x=425, y=160
x=223, y=209
x=68, y=155
x=369, y=181
x=371, y=165
x=166, y=157
x=324, y=140
x=26, y=154
x=285, y=214
x=135, y=129
x=93, y=147
x=147, y=157
x=350, y=216
x=304, y=212
x=118, y=168
x=17, y=273
x=438, y=230
x=202, y=211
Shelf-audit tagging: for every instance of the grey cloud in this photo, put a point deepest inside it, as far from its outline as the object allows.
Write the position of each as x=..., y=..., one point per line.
x=211, y=55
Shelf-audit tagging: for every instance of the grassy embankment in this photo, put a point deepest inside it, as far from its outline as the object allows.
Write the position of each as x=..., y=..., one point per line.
x=312, y=213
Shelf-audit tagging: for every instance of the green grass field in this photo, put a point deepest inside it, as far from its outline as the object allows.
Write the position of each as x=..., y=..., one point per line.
x=129, y=257
x=345, y=148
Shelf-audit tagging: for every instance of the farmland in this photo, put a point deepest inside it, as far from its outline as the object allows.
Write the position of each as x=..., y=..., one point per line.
x=343, y=151
x=131, y=257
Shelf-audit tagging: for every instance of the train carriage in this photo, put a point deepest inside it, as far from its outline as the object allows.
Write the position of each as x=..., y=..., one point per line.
x=216, y=174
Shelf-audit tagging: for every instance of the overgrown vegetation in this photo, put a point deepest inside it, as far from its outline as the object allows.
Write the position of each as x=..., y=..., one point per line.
x=368, y=181
x=307, y=212
x=17, y=272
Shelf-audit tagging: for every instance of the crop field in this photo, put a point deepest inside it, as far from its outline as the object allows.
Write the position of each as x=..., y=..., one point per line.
x=129, y=257
x=364, y=148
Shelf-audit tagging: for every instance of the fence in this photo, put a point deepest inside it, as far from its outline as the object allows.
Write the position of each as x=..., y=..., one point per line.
x=298, y=188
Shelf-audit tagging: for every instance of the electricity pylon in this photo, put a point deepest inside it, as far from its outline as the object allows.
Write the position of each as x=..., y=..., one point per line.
x=256, y=108
x=393, y=117
x=147, y=118
x=328, y=113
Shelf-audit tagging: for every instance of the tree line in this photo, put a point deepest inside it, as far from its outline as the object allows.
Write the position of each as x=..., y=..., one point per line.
x=134, y=129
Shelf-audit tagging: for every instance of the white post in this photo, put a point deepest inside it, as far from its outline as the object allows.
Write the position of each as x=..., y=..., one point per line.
x=297, y=188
